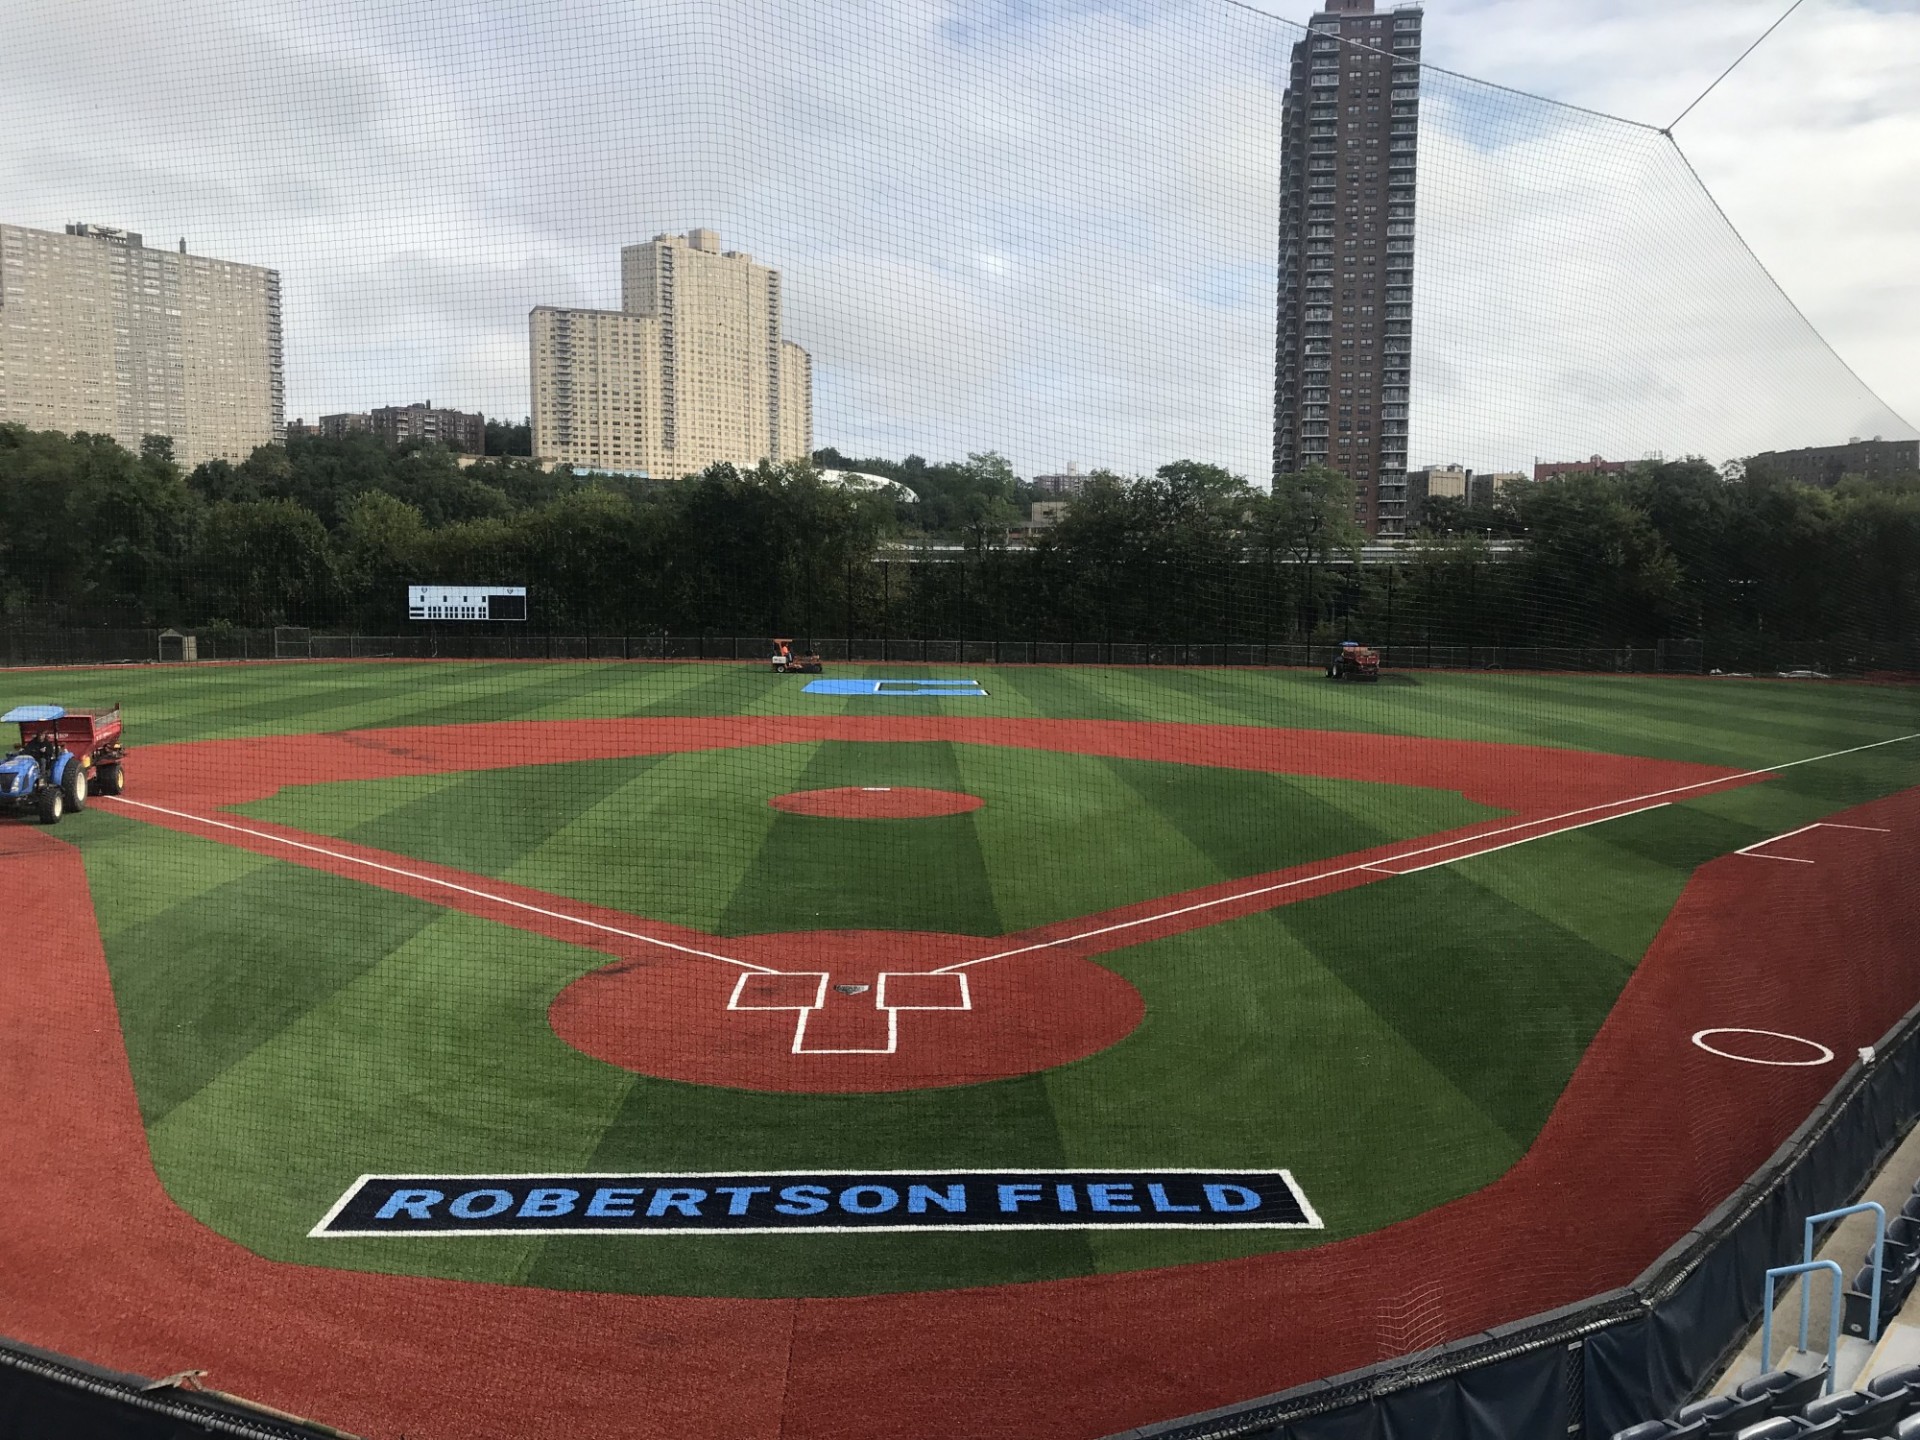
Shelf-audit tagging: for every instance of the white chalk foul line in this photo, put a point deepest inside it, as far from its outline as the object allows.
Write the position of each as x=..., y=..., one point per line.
x=1377, y=866
x=1752, y=852
x=486, y=895
x=1523, y=840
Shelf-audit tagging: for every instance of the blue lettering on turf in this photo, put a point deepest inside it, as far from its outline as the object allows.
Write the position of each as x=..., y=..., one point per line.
x=548, y=1204
x=1112, y=1197
x=1069, y=1202
x=803, y=1200
x=1012, y=1197
x=1222, y=1202
x=1158, y=1194
x=954, y=1201
x=416, y=1204
x=467, y=1206
x=684, y=1200
x=741, y=1196
x=885, y=1197
x=615, y=1201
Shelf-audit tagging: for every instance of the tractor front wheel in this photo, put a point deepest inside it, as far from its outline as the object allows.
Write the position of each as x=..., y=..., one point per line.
x=73, y=787
x=51, y=804
x=111, y=780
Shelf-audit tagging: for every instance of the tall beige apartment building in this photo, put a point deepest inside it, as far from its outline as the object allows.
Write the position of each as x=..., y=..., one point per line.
x=691, y=370
x=98, y=333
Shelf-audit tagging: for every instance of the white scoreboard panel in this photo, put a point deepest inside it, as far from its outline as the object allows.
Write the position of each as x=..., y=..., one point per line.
x=466, y=602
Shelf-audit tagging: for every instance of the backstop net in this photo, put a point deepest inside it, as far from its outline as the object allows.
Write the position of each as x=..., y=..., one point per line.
x=1154, y=676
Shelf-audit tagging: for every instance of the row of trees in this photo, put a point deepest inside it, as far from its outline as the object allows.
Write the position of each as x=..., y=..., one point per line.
x=328, y=532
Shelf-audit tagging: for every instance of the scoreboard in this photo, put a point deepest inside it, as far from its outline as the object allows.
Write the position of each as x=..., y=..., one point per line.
x=466, y=602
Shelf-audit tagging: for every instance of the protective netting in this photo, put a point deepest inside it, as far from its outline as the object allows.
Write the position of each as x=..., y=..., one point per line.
x=677, y=939
x=1046, y=231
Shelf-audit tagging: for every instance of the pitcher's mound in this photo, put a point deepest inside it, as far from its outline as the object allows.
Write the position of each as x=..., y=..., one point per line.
x=876, y=802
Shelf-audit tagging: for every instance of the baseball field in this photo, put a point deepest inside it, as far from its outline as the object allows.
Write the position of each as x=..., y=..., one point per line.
x=387, y=1048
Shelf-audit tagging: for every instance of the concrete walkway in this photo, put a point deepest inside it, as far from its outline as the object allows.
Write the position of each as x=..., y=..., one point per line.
x=1857, y=1361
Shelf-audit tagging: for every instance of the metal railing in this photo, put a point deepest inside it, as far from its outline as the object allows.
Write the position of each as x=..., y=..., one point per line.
x=1806, y=1272
x=1878, y=1252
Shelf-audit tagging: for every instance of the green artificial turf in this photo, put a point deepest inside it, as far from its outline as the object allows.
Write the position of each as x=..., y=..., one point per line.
x=690, y=838
x=1395, y=1046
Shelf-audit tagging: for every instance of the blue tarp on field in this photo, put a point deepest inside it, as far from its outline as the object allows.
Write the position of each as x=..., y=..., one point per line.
x=894, y=687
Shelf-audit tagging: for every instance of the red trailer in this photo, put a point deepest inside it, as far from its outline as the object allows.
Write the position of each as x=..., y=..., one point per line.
x=63, y=757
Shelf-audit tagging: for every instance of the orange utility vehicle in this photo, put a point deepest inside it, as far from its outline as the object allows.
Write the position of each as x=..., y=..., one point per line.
x=1354, y=661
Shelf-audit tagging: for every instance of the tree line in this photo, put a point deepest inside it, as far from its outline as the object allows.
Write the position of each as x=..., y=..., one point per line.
x=329, y=532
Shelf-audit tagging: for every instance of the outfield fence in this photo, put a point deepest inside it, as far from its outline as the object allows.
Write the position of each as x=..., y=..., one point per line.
x=76, y=646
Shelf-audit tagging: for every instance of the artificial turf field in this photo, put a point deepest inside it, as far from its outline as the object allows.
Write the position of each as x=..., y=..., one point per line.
x=1395, y=1031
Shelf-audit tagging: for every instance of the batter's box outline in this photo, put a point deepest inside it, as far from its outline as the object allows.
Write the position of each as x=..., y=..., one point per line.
x=954, y=982
x=805, y=992
x=1752, y=852
x=783, y=996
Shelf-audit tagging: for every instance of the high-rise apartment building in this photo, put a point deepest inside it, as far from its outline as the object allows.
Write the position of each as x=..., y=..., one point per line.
x=690, y=371
x=100, y=334
x=1349, y=151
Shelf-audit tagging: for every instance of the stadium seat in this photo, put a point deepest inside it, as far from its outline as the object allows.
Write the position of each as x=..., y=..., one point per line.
x=1895, y=1382
x=1861, y=1414
x=1903, y=1239
x=1856, y=1311
x=1907, y=1429
x=1724, y=1416
x=1897, y=1283
x=1785, y=1391
x=1780, y=1427
x=1646, y=1430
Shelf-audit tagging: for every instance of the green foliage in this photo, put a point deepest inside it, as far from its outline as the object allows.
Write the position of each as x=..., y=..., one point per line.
x=504, y=438
x=327, y=532
x=262, y=562
x=975, y=501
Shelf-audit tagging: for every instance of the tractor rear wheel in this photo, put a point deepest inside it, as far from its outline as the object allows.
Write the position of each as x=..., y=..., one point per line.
x=110, y=780
x=51, y=804
x=73, y=786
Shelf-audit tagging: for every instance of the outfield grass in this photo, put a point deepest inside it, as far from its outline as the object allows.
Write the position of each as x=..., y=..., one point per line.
x=690, y=837
x=1395, y=1046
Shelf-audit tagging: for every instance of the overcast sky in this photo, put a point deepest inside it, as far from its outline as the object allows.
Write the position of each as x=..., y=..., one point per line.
x=1044, y=227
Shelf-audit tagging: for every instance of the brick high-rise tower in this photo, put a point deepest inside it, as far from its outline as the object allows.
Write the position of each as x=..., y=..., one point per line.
x=1348, y=159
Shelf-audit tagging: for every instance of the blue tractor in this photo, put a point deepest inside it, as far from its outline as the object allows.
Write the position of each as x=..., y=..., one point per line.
x=63, y=755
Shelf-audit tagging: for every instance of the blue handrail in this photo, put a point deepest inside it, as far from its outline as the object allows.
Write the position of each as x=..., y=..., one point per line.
x=1879, y=1260
x=1833, y=1317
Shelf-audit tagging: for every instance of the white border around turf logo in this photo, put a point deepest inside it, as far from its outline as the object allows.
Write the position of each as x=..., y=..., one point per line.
x=1699, y=1038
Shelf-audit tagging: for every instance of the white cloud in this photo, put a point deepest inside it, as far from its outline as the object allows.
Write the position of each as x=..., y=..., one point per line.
x=1042, y=226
